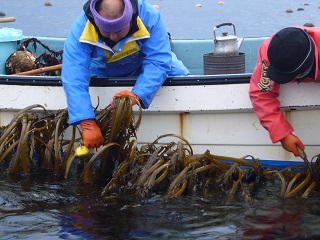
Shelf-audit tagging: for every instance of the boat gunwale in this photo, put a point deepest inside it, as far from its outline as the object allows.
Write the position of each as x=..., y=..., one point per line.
x=190, y=80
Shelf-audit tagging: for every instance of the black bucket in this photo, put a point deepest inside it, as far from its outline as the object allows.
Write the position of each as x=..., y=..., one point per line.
x=223, y=64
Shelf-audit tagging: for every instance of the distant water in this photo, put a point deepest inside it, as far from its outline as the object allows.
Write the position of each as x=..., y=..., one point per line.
x=183, y=19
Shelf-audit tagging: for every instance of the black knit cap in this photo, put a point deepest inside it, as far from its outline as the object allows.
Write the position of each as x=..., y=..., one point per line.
x=290, y=53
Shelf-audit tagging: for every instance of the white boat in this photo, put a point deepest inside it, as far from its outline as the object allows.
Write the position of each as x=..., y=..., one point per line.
x=213, y=112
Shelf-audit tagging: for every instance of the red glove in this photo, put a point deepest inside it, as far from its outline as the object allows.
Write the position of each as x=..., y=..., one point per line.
x=91, y=134
x=134, y=98
x=291, y=142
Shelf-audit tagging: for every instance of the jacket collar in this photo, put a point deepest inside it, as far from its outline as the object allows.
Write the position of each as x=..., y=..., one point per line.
x=90, y=35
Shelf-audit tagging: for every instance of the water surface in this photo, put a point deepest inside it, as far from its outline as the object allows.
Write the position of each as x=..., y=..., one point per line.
x=183, y=19
x=39, y=206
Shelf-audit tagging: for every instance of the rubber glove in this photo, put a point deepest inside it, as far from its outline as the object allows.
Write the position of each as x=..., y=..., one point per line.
x=91, y=134
x=134, y=98
x=291, y=142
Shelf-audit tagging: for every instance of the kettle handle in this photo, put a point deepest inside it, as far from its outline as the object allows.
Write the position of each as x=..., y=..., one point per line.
x=221, y=25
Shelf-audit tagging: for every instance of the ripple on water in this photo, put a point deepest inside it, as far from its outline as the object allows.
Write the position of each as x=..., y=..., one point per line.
x=48, y=209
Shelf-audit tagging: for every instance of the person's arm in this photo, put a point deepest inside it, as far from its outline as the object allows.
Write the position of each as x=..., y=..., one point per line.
x=76, y=75
x=75, y=80
x=156, y=64
x=264, y=95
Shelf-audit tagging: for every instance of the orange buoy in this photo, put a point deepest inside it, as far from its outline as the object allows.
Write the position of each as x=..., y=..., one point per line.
x=220, y=3
x=156, y=6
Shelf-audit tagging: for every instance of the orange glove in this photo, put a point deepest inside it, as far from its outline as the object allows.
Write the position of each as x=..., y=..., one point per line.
x=134, y=98
x=291, y=142
x=91, y=134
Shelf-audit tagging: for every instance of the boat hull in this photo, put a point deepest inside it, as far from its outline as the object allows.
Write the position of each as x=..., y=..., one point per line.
x=218, y=118
x=212, y=112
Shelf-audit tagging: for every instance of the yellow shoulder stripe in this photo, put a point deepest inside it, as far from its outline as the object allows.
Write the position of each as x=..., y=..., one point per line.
x=142, y=32
x=89, y=33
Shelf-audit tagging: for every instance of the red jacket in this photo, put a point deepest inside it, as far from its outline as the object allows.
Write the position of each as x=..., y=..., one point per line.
x=264, y=92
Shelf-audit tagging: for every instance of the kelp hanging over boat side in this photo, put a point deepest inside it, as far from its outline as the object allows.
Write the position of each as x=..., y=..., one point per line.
x=172, y=169
x=32, y=135
x=119, y=127
x=40, y=138
x=36, y=140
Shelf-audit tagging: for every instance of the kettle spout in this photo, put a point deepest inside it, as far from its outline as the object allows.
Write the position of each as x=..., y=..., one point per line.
x=239, y=42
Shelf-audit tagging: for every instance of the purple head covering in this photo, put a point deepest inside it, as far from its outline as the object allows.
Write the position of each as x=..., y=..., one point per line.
x=114, y=25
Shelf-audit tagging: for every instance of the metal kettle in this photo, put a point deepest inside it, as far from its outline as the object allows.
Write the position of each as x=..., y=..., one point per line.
x=226, y=45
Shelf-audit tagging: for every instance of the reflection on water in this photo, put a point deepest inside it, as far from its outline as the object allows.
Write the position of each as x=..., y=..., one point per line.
x=46, y=208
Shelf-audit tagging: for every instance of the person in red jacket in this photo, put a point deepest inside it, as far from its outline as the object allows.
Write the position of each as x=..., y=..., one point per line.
x=290, y=55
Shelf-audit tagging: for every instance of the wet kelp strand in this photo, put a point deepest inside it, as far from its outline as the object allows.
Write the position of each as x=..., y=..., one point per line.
x=37, y=140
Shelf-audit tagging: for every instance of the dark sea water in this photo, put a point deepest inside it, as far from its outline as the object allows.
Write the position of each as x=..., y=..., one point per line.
x=42, y=207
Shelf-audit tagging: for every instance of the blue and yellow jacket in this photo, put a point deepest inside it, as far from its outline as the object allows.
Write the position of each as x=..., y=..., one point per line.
x=145, y=53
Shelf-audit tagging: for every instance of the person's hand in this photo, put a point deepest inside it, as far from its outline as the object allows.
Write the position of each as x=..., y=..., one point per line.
x=133, y=97
x=291, y=142
x=91, y=134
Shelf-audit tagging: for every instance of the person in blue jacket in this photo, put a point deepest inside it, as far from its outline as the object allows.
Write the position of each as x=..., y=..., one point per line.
x=115, y=38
